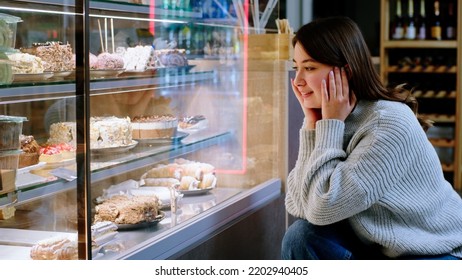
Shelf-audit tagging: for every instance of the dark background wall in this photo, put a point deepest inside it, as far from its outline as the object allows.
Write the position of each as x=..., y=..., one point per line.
x=366, y=13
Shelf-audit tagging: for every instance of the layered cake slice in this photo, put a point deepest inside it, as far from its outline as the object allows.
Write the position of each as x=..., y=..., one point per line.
x=153, y=127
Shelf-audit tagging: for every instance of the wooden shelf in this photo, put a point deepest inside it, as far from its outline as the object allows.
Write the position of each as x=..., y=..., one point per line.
x=420, y=44
x=431, y=78
x=435, y=94
x=443, y=143
x=429, y=69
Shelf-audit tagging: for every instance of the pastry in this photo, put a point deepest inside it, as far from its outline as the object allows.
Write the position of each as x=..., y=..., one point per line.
x=31, y=151
x=165, y=171
x=208, y=181
x=7, y=212
x=189, y=183
x=55, y=248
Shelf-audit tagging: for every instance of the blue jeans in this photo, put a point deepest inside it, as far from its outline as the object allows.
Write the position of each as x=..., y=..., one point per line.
x=305, y=241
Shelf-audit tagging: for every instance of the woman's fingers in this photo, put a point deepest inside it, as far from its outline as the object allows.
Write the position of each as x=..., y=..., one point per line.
x=324, y=91
x=332, y=85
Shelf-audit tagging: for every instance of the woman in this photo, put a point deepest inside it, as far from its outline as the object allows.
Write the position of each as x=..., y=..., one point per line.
x=367, y=183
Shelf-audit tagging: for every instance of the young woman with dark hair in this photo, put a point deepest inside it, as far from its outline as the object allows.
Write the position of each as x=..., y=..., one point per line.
x=367, y=183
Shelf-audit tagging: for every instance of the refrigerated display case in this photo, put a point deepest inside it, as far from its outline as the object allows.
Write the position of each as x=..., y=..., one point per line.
x=228, y=110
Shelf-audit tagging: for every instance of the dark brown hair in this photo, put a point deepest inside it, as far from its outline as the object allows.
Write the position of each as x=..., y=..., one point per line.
x=338, y=41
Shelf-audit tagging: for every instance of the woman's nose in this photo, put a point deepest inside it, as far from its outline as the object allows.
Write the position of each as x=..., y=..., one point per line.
x=299, y=81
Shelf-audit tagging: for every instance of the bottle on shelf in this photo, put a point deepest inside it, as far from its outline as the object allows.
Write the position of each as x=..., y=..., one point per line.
x=410, y=30
x=421, y=22
x=436, y=29
x=450, y=30
x=397, y=30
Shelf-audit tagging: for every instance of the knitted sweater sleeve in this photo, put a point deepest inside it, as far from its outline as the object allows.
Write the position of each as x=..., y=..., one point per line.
x=329, y=184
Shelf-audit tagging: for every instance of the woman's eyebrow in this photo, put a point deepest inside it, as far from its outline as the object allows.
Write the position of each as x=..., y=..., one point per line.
x=305, y=60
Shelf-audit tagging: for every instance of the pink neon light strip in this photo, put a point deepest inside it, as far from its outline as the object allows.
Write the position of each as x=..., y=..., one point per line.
x=244, y=98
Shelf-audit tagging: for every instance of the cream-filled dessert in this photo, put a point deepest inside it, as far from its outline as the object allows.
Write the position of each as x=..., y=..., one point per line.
x=111, y=131
x=152, y=127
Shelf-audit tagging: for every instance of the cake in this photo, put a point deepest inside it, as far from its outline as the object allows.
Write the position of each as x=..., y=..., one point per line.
x=137, y=58
x=110, y=132
x=170, y=58
x=63, y=132
x=109, y=61
x=24, y=63
x=57, y=153
x=122, y=209
x=152, y=127
x=31, y=151
x=55, y=248
x=56, y=56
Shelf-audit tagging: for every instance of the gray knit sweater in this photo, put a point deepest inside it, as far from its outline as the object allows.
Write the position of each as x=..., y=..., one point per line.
x=378, y=170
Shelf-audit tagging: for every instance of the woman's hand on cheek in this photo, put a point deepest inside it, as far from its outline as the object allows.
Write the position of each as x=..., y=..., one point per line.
x=336, y=100
x=311, y=115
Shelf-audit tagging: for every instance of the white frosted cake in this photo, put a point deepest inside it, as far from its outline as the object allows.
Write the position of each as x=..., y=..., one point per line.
x=108, y=132
x=63, y=132
x=137, y=58
x=24, y=63
x=152, y=127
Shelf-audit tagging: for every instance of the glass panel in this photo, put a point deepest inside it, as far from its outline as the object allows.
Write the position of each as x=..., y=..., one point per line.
x=181, y=93
x=37, y=201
